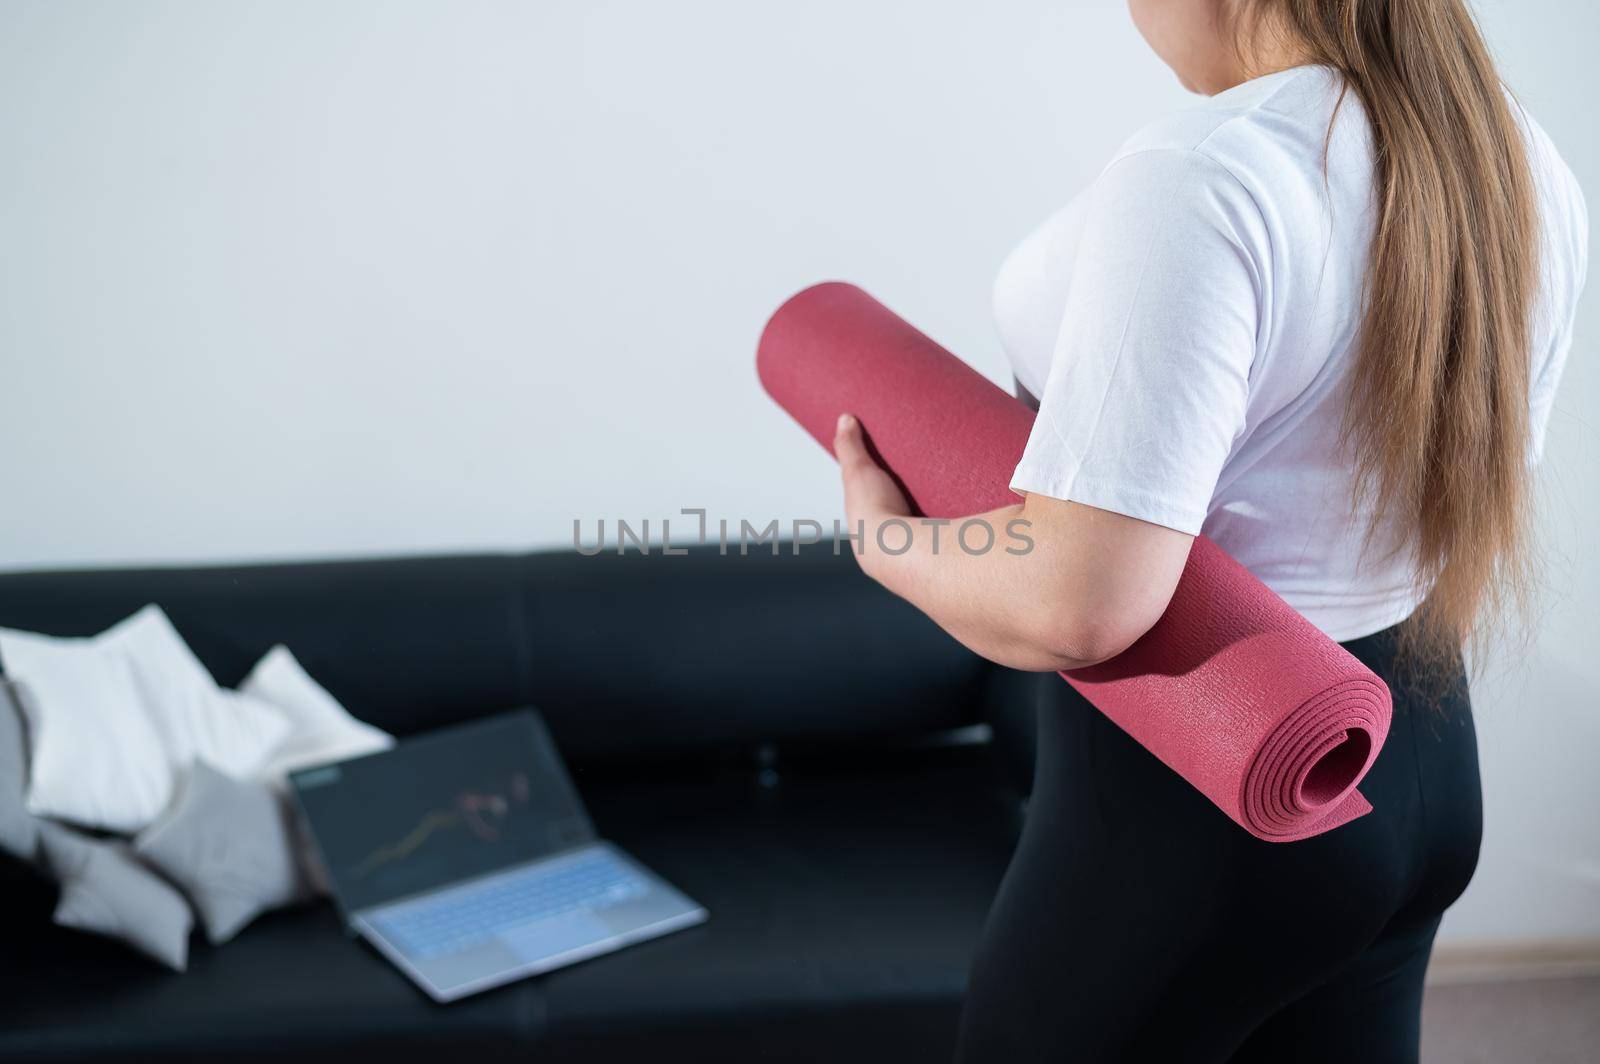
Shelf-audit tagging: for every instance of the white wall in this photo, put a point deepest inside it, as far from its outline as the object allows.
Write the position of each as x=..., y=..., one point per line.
x=303, y=278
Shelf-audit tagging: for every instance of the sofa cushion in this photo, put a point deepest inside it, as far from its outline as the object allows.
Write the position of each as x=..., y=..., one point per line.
x=105, y=890
x=116, y=719
x=320, y=729
x=846, y=901
x=95, y=756
x=634, y=656
x=231, y=846
x=627, y=656
x=405, y=644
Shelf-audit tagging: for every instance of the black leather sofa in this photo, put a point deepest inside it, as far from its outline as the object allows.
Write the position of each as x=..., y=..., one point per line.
x=776, y=735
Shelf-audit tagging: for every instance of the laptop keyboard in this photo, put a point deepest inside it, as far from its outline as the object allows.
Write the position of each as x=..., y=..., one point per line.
x=459, y=918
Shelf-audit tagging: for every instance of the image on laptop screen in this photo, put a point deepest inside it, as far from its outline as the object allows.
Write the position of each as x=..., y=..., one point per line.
x=441, y=808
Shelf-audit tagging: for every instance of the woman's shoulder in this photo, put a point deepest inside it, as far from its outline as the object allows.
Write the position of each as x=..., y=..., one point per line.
x=1274, y=125
x=1287, y=142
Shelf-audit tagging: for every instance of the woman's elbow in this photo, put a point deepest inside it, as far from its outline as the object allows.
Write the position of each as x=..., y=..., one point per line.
x=1101, y=581
x=1077, y=637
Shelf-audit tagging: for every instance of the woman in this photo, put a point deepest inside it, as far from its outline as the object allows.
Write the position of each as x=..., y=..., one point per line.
x=1320, y=317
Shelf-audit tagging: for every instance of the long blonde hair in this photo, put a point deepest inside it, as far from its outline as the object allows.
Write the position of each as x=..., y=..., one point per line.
x=1438, y=416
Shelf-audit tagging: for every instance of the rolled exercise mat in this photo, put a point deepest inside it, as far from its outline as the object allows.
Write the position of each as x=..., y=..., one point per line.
x=1270, y=719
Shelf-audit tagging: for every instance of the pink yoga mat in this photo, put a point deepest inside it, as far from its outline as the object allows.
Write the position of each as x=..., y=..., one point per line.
x=1236, y=692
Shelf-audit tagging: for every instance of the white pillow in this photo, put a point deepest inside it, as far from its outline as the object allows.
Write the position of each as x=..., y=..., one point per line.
x=95, y=757
x=115, y=718
x=197, y=720
x=320, y=730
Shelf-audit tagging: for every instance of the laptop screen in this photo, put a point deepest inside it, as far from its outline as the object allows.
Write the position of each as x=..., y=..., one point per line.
x=441, y=807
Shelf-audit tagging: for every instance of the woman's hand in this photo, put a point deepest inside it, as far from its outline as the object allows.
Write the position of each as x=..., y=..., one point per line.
x=871, y=496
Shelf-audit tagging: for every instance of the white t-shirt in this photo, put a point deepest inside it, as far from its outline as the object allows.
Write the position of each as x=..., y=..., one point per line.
x=1189, y=320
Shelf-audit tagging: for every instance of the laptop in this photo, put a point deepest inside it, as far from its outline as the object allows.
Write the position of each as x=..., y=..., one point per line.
x=466, y=858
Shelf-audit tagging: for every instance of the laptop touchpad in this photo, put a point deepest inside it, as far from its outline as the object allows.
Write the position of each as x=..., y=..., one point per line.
x=542, y=939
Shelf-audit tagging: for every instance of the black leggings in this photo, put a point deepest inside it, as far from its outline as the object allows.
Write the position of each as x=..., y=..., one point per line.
x=1138, y=923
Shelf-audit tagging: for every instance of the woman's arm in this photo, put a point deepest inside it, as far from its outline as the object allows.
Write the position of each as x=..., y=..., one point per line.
x=1092, y=583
